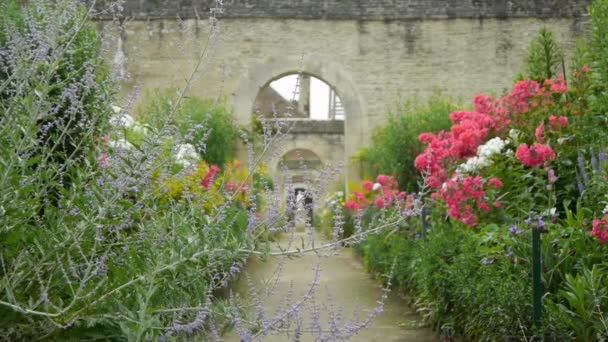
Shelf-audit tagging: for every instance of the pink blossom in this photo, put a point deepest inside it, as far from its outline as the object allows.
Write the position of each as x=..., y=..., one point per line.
x=519, y=99
x=534, y=155
x=562, y=121
x=495, y=183
x=558, y=85
x=426, y=138
x=600, y=230
x=359, y=196
x=368, y=186
x=553, y=120
x=206, y=182
x=383, y=180
x=352, y=205
x=483, y=104
x=104, y=160
x=459, y=196
x=552, y=177
x=469, y=218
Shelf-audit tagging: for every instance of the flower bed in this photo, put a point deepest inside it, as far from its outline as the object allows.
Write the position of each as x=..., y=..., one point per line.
x=531, y=161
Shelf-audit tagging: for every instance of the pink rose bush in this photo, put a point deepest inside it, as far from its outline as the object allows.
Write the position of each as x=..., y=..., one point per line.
x=454, y=161
x=491, y=118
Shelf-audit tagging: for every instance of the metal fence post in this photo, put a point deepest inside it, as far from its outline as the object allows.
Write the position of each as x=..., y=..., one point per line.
x=537, y=286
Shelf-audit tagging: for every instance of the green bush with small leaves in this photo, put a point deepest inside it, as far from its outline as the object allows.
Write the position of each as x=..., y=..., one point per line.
x=395, y=144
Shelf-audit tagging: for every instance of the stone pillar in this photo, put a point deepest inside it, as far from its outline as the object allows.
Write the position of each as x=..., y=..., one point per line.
x=304, y=92
x=331, y=111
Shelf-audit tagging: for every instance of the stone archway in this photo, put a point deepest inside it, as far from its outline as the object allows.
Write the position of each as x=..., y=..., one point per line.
x=332, y=73
x=261, y=74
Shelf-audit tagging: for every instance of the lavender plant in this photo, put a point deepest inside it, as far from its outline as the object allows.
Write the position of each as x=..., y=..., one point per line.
x=93, y=244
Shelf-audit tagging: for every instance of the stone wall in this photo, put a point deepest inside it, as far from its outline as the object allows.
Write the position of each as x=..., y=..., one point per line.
x=373, y=65
x=359, y=9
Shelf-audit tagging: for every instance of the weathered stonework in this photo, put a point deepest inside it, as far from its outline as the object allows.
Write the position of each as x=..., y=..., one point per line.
x=372, y=64
x=359, y=9
x=325, y=139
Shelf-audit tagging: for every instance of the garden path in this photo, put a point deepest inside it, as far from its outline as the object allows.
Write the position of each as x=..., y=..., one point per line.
x=344, y=279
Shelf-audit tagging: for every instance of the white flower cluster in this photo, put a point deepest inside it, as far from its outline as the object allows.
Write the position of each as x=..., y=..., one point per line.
x=483, y=158
x=186, y=155
x=123, y=120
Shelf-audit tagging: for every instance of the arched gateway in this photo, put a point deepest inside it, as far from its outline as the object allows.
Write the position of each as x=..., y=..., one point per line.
x=311, y=116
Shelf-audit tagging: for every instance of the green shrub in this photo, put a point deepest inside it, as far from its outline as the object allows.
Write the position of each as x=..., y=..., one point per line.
x=205, y=123
x=395, y=145
x=581, y=304
x=454, y=289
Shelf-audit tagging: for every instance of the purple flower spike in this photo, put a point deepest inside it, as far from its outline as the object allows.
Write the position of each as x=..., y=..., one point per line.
x=602, y=156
